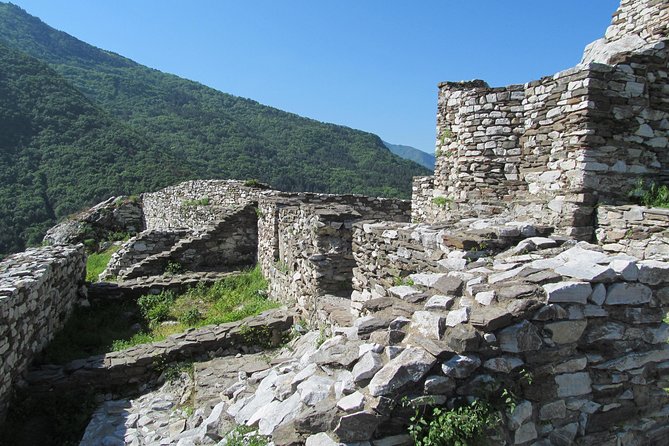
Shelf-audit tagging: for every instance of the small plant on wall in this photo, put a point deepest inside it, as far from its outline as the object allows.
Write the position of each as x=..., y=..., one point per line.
x=442, y=202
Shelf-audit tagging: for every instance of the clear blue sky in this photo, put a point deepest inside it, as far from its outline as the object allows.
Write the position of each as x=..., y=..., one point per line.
x=368, y=64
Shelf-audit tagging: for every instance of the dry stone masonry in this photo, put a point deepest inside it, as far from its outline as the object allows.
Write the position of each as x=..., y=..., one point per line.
x=305, y=247
x=553, y=148
x=38, y=291
x=635, y=230
x=576, y=335
x=196, y=204
x=487, y=288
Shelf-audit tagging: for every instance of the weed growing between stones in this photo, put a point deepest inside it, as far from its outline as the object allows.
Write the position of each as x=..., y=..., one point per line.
x=97, y=262
x=204, y=201
x=442, y=202
x=245, y=436
x=650, y=194
x=399, y=281
x=173, y=268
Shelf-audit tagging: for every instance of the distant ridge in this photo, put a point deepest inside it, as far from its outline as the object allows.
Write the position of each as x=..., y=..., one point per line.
x=425, y=159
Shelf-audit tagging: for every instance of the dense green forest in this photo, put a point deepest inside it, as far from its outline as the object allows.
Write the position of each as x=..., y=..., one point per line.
x=79, y=124
x=59, y=152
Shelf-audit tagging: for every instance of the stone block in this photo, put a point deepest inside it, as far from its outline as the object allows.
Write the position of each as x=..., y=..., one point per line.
x=568, y=292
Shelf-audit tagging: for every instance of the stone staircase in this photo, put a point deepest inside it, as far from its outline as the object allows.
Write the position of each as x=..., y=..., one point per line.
x=207, y=249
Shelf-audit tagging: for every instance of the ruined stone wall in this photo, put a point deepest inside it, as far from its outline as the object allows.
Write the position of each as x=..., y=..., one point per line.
x=387, y=253
x=104, y=221
x=127, y=371
x=230, y=243
x=566, y=343
x=38, y=290
x=315, y=255
x=140, y=247
x=551, y=149
x=304, y=243
x=634, y=230
x=581, y=136
x=176, y=207
x=648, y=19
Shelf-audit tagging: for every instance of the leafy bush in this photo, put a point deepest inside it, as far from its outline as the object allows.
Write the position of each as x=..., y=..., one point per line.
x=191, y=317
x=650, y=194
x=156, y=307
x=173, y=268
x=463, y=426
x=245, y=436
x=442, y=202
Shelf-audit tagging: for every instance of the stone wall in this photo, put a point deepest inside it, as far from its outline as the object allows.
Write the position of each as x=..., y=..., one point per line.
x=127, y=371
x=183, y=205
x=387, y=253
x=634, y=230
x=565, y=342
x=138, y=248
x=304, y=245
x=648, y=19
x=230, y=243
x=38, y=290
x=551, y=149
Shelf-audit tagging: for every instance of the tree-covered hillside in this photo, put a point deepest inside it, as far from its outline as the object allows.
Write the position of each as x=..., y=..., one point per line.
x=59, y=152
x=78, y=124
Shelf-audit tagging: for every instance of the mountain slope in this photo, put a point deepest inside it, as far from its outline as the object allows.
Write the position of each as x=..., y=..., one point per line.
x=59, y=152
x=218, y=135
x=413, y=154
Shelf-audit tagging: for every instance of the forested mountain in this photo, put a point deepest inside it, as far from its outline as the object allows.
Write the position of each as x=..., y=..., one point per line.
x=58, y=151
x=91, y=123
x=412, y=153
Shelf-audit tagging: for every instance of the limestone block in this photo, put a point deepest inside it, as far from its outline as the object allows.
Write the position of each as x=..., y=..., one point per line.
x=628, y=294
x=518, y=338
x=573, y=384
x=410, y=366
x=568, y=292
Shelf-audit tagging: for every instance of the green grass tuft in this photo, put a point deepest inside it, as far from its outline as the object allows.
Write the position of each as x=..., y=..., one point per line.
x=97, y=262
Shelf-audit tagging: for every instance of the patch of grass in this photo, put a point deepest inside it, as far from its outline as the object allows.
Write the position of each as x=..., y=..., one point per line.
x=97, y=262
x=204, y=201
x=245, y=436
x=230, y=299
x=442, y=202
x=106, y=326
x=650, y=194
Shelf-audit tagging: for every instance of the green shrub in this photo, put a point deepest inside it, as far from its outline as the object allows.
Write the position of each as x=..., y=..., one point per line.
x=191, y=317
x=650, y=194
x=462, y=426
x=173, y=268
x=252, y=183
x=245, y=436
x=156, y=307
x=442, y=202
